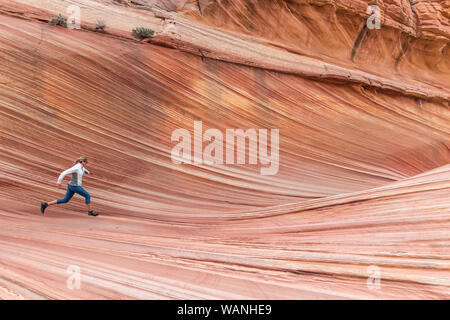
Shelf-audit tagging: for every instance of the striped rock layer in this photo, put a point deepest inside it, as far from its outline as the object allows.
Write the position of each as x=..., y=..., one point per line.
x=363, y=183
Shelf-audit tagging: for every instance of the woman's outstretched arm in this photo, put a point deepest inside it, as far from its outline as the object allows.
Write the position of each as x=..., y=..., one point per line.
x=68, y=171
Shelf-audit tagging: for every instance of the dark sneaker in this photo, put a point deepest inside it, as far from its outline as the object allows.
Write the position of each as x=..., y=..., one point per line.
x=92, y=213
x=44, y=206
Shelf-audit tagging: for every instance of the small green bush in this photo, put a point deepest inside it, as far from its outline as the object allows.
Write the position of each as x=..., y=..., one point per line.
x=59, y=21
x=100, y=26
x=143, y=33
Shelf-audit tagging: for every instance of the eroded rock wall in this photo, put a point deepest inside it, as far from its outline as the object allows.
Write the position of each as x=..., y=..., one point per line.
x=363, y=176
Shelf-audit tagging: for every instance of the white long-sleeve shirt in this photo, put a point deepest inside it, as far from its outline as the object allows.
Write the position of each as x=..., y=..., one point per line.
x=77, y=172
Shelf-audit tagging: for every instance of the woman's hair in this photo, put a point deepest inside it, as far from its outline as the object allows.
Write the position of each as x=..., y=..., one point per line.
x=80, y=159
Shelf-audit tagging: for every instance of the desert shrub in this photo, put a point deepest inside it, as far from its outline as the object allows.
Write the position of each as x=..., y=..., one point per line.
x=143, y=33
x=59, y=21
x=100, y=26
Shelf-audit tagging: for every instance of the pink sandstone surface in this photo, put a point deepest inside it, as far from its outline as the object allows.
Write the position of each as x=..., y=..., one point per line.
x=364, y=175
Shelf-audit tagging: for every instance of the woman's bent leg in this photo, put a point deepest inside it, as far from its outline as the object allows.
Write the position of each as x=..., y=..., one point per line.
x=83, y=193
x=86, y=195
x=87, y=199
x=69, y=195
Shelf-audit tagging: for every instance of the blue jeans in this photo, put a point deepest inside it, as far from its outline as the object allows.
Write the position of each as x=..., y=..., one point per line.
x=71, y=190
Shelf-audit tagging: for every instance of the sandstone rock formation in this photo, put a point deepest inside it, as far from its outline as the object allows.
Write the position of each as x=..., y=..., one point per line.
x=364, y=174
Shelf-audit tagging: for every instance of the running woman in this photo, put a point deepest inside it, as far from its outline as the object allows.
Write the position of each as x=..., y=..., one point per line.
x=74, y=186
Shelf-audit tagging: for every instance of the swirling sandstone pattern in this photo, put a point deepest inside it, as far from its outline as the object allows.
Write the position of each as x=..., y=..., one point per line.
x=364, y=175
